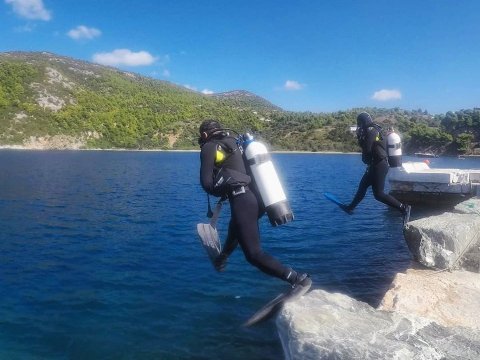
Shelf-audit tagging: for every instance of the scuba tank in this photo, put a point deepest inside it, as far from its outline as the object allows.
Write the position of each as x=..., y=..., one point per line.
x=394, y=149
x=267, y=181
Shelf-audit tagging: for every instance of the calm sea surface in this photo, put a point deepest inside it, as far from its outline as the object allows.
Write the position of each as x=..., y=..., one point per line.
x=99, y=257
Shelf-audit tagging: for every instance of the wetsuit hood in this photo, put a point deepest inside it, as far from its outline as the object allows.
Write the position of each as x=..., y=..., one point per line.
x=209, y=125
x=210, y=129
x=364, y=120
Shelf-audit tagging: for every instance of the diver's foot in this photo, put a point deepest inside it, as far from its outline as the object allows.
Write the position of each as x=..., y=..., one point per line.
x=406, y=213
x=346, y=208
x=220, y=262
x=302, y=280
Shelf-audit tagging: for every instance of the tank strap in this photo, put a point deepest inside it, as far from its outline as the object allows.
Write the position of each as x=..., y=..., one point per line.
x=395, y=146
x=259, y=159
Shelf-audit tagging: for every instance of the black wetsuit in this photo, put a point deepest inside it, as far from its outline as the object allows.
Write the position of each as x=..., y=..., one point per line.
x=375, y=156
x=246, y=208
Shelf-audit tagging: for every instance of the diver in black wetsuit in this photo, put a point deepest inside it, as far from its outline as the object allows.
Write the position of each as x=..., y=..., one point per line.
x=223, y=174
x=374, y=154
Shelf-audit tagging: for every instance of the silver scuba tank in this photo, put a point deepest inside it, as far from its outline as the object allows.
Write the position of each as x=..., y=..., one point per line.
x=267, y=181
x=394, y=149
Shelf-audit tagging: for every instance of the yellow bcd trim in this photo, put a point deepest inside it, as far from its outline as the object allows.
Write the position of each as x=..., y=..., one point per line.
x=219, y=156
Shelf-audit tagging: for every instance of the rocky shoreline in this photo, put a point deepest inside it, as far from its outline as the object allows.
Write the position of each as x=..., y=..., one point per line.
x=430, y=312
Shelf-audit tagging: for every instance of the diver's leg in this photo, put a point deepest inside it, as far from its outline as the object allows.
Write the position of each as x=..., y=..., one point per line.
x=362, y=190
x=231, y=242
x=379, y=173
x=378, y=185
x=229, y=246
x=245, y=213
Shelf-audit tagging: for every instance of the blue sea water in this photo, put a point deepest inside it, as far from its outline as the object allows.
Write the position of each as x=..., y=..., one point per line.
x=99, y=257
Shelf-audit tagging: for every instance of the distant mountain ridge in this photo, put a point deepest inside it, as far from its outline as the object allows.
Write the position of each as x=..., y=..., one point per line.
x=248, y=99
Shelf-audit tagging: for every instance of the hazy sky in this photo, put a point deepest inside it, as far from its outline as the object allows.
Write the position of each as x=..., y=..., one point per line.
x=314, y=55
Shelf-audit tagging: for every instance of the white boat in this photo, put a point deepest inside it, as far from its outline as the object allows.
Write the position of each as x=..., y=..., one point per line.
x=416, y=182
x=425, y=155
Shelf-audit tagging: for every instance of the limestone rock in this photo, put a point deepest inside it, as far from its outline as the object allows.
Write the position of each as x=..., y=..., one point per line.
x=470, y=206
x=448, y=298
x=323, y=325
x=440, y=241
x=471, y=260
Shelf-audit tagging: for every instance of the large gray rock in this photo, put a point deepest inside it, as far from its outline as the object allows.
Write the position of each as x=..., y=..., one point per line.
x=470, y=206
x=322, y=325
x=440, y=241
x=471, y=260
x=448, y=298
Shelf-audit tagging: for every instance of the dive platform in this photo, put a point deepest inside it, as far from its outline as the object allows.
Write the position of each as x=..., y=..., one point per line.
x=417, y=183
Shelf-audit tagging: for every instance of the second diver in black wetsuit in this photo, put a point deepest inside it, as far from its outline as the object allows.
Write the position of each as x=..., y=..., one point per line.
x=374, y=155
x=223, y=174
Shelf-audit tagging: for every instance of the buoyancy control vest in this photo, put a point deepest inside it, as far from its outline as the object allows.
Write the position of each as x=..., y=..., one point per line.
x=257, y=162
x=268, y=184
x=230, y=171
x=380, y=142
x=389, y=146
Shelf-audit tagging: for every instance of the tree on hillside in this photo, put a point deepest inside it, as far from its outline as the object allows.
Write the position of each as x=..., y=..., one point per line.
x=424, y=137
x=464, y=142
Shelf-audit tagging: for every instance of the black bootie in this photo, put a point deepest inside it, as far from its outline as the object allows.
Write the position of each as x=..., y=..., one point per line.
x=406, y=213
x=347, y=208
x=296, y=279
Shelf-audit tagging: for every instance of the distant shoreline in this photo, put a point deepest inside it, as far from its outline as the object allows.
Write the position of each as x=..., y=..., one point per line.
x=23, y=148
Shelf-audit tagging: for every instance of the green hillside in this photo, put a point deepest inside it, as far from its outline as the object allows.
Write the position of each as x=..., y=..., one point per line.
x=75, y=104
x=42, y=94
